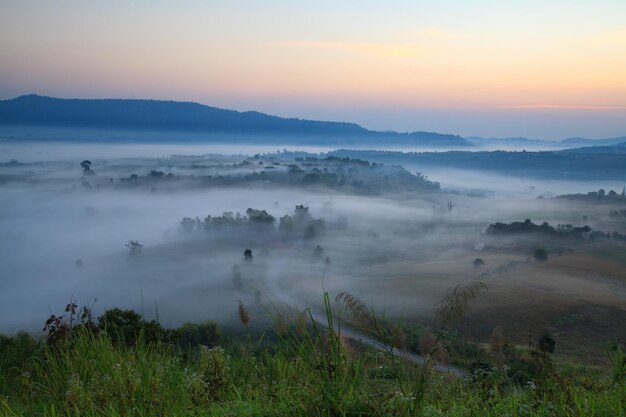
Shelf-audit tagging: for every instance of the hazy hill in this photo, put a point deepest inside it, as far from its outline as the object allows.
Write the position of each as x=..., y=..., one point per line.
x=172, y=116
x=595, y=162
x=594, y=142
x=540, y=143
x=510, y=142
x=619, y=148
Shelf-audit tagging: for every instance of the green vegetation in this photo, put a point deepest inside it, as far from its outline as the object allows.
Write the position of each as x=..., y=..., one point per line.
x=600, y=196
x=300, y=224
x=351, y=176
x=121, y=365
x=545, y=229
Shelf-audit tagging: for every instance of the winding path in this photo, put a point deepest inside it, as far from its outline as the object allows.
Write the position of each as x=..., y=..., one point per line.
x=281, y=295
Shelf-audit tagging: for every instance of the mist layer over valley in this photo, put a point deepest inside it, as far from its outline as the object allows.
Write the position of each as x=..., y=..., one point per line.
x=295, y=209
x=389, y=235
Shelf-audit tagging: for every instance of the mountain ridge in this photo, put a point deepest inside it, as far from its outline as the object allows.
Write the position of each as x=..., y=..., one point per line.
x=176, y=116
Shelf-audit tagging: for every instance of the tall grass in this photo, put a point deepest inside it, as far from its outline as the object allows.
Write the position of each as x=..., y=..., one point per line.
x=313, y=371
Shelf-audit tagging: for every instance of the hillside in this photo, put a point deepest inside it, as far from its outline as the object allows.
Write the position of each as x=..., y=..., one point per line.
x=600, y=162
x=119, y=364
x=172, y=116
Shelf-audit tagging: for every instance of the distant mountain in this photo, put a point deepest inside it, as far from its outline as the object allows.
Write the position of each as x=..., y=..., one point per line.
x=594, y=142
x=588, y=163
x=206, y=123
x=619, y=148
x=519, y=141
x=565, y=143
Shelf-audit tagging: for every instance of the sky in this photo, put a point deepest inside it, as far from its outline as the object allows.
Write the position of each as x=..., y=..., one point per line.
x=546, y=69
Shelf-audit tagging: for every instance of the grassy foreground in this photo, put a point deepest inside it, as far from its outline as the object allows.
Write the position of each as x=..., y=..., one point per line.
x=124, y=366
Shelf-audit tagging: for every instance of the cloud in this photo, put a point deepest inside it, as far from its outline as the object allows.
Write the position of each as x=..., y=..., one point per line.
x=563, y=107
x=377, y=49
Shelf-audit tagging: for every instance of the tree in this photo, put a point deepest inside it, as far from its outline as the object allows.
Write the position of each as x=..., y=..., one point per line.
x=302, y=214
x=247, y=255
x=540, y=255
x=134, y=246
x=188, y=224
x=86, y=166
x=191, y=335
x=156, y=174
x=450, y=206
x=314, y=228
x=478, y=262
x=126, y=327
x=260, y=217
x=318, y=251
x=546, y=344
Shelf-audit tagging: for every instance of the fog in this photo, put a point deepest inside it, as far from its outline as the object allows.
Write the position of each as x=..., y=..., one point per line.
x=500, y=186
x=397, y=250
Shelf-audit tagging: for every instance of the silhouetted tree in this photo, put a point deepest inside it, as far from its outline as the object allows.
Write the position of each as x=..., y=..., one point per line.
x=260, y=217
x=478, y=262
x=86, y=166
x=318, y=251
x=450, y=206
x=188, y=224
x=134, y=246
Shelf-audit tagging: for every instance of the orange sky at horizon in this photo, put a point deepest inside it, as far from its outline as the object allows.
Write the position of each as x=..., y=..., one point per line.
x=488, y=56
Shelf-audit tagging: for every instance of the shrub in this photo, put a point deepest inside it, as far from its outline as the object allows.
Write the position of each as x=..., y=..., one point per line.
x=546, y=344
x=540, y=255
x=126, y=327
x=190, y=335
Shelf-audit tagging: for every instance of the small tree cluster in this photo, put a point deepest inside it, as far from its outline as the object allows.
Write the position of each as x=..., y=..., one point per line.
x=134, y=247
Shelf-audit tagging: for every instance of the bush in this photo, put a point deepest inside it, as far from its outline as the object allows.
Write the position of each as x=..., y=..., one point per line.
x=190, y=335
x=126, y=327
x=546, y=344
x=16, y=354
x=540, y=255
